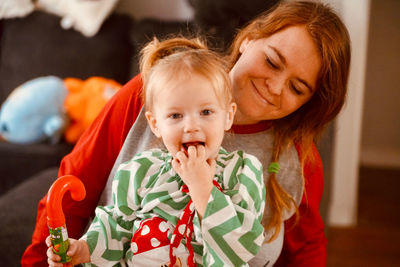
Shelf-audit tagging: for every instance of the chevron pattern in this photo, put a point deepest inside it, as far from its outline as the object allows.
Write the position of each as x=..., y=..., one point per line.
x=230, y=232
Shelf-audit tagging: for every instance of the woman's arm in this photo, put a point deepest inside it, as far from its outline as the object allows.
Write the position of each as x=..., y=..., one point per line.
x=305, y=241
x=91, y=160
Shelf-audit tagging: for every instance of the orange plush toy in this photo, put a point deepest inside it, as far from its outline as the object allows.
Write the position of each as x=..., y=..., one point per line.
x=84, y=102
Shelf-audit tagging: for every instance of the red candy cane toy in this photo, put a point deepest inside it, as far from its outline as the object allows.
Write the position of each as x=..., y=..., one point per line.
x=55, y=215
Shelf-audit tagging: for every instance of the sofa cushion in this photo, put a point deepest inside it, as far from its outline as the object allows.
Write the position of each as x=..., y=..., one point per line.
x=36, y=46
x=220, y=20
x=144, y=30
x=18, y=209
x=19, y=162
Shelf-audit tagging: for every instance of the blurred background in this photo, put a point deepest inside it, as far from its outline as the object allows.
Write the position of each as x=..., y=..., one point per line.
x=84, y=39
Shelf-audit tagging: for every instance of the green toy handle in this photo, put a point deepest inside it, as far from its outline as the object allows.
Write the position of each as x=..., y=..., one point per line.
x=55, y=215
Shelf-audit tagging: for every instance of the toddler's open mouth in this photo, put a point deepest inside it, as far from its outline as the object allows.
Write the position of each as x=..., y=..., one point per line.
x=188, y=144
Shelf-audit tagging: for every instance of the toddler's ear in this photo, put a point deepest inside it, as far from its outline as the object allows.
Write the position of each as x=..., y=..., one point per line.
x=230, y=115
x=152, y=123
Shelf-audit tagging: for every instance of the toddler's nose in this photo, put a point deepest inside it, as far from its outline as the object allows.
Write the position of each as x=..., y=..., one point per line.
x=191, y=125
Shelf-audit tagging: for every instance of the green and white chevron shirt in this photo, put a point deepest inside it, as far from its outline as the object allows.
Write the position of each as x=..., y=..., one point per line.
x=229, y=234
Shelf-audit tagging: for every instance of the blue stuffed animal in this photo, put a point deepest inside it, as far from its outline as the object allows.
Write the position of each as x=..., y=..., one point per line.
x=34, y=112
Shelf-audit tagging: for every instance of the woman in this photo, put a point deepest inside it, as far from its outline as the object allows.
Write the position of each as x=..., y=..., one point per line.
x=289, y=71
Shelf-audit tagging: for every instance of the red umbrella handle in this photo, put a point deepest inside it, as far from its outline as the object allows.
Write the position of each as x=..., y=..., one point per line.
x=55, y=215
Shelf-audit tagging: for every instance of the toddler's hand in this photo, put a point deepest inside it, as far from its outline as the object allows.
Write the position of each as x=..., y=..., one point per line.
x=193, y=167
x=78, y=250
x=197, y=172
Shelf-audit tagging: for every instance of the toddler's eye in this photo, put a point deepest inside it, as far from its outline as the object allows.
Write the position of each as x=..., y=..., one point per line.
x=206, y=112
x=175, y=116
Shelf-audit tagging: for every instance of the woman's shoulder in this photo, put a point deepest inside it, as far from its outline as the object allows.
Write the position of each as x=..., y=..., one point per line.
x=312, y=162
x=313, y=173
x=130, y=91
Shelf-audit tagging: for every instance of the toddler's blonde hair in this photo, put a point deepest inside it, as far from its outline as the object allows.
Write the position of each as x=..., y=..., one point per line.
x=172, y=61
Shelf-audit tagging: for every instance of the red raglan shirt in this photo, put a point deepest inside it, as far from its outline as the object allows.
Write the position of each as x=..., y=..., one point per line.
x=93, y=158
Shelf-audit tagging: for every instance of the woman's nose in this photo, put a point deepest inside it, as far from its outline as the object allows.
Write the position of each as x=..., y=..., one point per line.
x=275, y=86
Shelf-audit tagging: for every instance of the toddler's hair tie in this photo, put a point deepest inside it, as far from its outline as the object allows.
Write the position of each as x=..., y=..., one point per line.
x=273, y=167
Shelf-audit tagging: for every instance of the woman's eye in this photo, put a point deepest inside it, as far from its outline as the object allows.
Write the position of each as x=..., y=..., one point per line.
x=175, y=116
x=206, y=112
x=296, y=90
x=271, y=63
